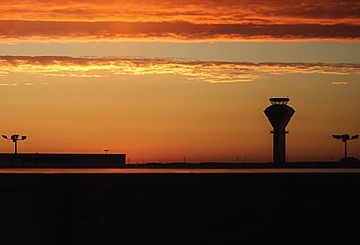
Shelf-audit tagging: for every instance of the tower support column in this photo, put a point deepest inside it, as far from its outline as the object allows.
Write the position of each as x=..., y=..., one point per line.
x=279, y=146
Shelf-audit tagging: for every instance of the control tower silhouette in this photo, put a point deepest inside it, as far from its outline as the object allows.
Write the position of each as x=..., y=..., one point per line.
x=279, y=115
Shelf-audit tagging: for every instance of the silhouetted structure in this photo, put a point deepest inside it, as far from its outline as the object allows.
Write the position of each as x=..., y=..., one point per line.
x=15, y=138
x=344, y=138
x=62, y=160
x=279, y=114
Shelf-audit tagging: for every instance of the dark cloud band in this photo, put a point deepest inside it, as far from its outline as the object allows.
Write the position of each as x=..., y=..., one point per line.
x=51, y=30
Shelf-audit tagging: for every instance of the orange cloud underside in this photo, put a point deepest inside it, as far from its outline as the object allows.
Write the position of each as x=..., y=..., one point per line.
x=183, y=19
x=226, y=11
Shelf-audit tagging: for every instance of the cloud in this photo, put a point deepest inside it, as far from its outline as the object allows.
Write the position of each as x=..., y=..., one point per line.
x=203, y=11
x=179, y=20
x=8, y=84
x=185, y=31
x=200, y=71
x=339, y=83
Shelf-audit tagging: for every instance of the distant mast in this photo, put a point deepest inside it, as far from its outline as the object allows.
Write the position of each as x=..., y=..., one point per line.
x=279, y=115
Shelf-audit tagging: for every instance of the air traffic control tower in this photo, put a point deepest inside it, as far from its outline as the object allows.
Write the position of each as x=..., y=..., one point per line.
x=279, y=114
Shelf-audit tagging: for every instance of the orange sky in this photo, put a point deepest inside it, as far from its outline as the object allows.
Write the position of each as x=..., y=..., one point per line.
x=167, y=80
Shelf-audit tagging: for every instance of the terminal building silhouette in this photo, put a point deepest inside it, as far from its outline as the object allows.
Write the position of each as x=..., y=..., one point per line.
x=35, y=160
x=279, y=115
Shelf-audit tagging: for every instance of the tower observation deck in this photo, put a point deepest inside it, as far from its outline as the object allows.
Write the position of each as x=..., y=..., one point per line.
x=279, y=115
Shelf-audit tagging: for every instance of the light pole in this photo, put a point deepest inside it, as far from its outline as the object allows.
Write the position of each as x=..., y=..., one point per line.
x=15, y=138
x=344, y=138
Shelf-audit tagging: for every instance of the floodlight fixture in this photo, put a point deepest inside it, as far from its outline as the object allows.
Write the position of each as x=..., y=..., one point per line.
x=15, y=138
x=335, y=136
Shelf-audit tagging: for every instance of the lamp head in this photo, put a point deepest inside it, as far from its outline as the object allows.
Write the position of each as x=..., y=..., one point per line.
x=345, y=137
x=23, y=137
x=14, y=136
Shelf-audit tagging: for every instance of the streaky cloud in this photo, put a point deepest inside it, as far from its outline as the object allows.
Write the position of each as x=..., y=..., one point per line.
x=204, y=11
x=47, y=31
x=179, y=20
x=339, y=83
x=193, y=70
x=8, y=84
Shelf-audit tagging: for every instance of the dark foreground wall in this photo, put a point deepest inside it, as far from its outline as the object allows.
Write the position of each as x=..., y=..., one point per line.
x=28, y=160
x=179, y=208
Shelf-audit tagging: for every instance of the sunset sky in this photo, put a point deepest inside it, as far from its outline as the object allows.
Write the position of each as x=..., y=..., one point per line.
x=171, y=80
